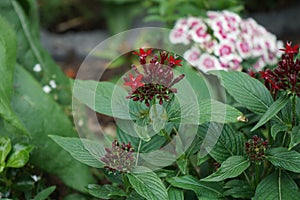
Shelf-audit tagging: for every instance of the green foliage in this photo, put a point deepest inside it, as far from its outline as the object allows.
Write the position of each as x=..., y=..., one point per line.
x=148, y=185
x=230, y=168
x=202, y=189
x=105, y=191
x=272, y=111
x=169, y=11
x=278, y=185
x=221, y=141
x=13, y=157
x=86, y=151
x=25, y=108
x=246, y=90
x=282, y=157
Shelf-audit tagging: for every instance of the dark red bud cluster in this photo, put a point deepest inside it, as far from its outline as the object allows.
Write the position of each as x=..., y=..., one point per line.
x=119, y=158
x=255, y=148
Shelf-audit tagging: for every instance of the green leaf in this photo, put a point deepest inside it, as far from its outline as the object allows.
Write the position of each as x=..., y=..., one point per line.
x=5, y=147
x=182, y=163
x=86, y=151
x=272, y=111
x=30, y=51
x=44, y=194
x=246, y=90
x=238, y=189
x=148, y=185
x=105, y=191
x=282, y=157
x=230, y=168
x=276, y=128
x=7, y=67
x=278, y=185
x=175, y=194
x=220, y=141
x=19, y=156
x=210, y=110
x=202, y=189
x=42, y=116
x=295, y=137
x=103, y=97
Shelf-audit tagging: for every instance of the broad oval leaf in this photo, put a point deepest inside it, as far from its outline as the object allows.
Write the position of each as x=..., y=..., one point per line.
x=19, y=156
x=175, y=194
x=295, y=137
x=277, y=186
x=282, y=157
x=7, y=67
x=202, y=189
x=44, y=194
x=103, y=97
x=220, y=141
x=5, y=147
x=148, y=185
x=246, y=90
x=238, y=189
x=272, y=111
x=230, y=168
x=105, y=191
x=86, y=151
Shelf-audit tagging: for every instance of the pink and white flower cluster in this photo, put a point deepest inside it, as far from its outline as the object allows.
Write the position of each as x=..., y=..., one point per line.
x=224, y=41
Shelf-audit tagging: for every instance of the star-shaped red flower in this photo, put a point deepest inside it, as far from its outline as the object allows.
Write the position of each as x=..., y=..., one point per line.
x=143, y=53
x=289, y=49
x=133, y=82
x=174, y=62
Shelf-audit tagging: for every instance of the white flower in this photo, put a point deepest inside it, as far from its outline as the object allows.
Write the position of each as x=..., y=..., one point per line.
x=35, y=178
x=192, y=55
x=208, y=62
x=52, y=84
x=47, y=89
x=179, y=35
x=37, y=68
x=199, y=33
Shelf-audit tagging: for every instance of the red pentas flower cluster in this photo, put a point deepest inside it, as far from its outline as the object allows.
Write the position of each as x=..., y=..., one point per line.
x=155, y=79
x=255, y=148
x=287, y=74
x=119, y=158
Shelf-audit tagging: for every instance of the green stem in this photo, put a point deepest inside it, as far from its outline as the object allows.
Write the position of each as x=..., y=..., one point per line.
x=247, y=178
x=294, y=110
x=166, y=135
x=257, y=178
x=138, y=152
x=283, y=139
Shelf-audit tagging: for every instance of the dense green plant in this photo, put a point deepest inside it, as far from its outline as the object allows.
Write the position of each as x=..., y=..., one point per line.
x=170, y=11
x=35, y=95
x=255, y=154
x=16, y=181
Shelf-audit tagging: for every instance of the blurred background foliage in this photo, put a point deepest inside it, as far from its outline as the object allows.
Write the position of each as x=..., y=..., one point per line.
x=119, y=15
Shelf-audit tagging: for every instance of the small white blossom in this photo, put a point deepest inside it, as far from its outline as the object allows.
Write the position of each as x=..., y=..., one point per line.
x=35, y=178
x=47, y=89
x=52, y=84
x=37, y=68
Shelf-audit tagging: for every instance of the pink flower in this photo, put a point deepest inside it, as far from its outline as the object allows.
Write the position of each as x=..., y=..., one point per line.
x=192, y=55
x=244, y=47
x=199, y=33
x=179, y=35
x=225, y=49
x=208, y=62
